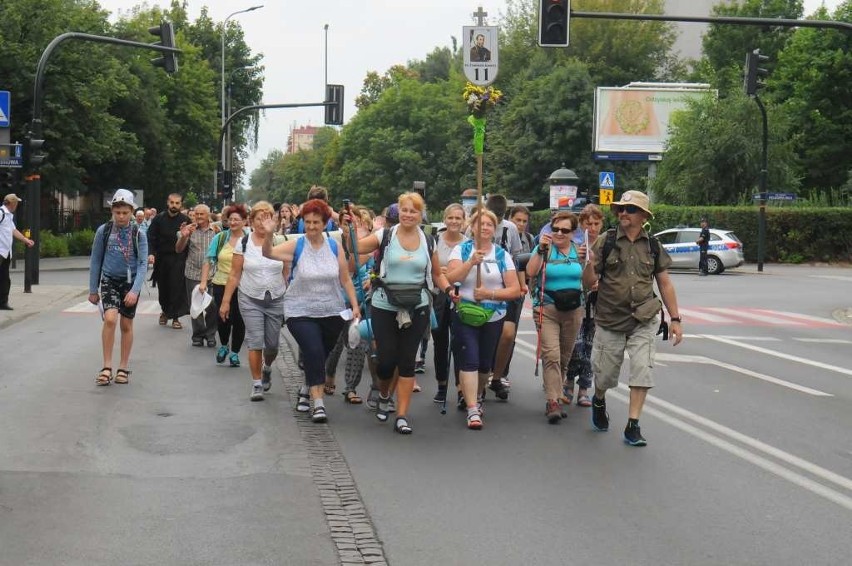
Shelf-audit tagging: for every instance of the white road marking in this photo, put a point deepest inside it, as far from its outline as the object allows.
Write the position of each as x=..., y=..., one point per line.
x=760, y=461
x=823, y=340
x=742, y=370
x=706, y=316
x=804, y=317
x=782, y=355
x=522, y=332
x=793, y=477
x=85, y=307
x=752, y=338
x=834, y=277
x=755, y=316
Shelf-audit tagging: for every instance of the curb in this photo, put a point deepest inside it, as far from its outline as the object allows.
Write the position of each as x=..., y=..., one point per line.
x=349, y=523
x=22, y=315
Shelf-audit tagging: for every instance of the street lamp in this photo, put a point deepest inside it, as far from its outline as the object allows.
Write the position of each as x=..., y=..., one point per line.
x=229, y=158
x=224, y=31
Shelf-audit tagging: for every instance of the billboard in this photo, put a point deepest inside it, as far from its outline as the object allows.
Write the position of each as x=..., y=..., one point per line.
x=636, y=120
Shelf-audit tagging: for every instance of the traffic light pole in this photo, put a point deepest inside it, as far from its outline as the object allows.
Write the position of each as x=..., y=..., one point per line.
x=764, y=169
x=32, y=176
x=243, y=110
x=777, y=22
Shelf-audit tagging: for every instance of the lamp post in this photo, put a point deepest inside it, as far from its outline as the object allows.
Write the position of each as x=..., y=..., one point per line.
x=325, y=28
x=222, y=81
x=229, y=157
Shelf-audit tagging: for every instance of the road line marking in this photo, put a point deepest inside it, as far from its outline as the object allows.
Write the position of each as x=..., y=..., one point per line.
x=783, y=356
x=85, y=307
x=759, y=461
x=533, y=332
x=752, y=338
x=803, y=317
x=709, y=317
x=834, y=277
x=823, y=340
x=756, y=316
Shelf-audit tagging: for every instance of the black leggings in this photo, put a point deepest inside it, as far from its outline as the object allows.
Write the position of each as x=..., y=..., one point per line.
x=233, y=329
x=397, y=347
x=441, y=339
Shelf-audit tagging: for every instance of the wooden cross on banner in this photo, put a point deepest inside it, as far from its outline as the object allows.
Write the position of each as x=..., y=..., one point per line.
x=480, y=16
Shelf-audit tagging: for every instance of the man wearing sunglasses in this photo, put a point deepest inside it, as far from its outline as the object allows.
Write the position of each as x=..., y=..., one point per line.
x=627, y=309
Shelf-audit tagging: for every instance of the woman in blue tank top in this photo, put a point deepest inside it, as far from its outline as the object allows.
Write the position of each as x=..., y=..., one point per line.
x=557, y=299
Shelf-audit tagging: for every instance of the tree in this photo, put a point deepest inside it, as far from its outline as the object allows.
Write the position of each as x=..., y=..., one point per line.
x=715, y=152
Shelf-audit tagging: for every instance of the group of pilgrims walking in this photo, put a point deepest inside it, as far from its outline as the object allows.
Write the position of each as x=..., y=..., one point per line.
x=375, y=290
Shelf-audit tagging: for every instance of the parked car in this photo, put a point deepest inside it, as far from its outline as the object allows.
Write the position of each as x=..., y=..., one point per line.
x=725, y=252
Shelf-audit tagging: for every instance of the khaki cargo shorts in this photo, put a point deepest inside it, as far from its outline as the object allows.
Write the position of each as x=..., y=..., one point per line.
x=608, y=354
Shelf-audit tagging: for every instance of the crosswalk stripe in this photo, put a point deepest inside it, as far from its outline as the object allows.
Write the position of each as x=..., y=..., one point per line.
x=700, y=315
x=805, y=317
x=85, y=307
x=752, y=315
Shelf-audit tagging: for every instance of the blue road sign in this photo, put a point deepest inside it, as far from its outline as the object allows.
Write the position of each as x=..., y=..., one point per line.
x=606, y=179
x=775, y=196
x=5, y=108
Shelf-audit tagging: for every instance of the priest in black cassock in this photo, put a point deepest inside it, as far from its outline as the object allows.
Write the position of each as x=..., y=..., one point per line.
x=169, y=265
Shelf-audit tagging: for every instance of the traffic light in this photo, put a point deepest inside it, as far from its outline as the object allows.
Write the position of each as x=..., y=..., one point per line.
x=753, y=72
x=7, y=181
x=227, y=185
x=553, y=18
x=334, y=113
x=34, y=154
x=166, y=33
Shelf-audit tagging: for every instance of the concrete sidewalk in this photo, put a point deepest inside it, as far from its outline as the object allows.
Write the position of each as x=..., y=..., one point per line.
x=43, y=297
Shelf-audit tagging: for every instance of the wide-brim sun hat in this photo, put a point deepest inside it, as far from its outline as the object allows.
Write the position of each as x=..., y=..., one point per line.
x=635, y=198
x=200, y=302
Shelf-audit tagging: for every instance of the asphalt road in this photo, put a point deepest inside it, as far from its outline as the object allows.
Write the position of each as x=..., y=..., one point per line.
x=749, y=458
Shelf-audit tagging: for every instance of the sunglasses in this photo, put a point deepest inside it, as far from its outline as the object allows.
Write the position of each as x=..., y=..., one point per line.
x=629, y=209
x=562, y=230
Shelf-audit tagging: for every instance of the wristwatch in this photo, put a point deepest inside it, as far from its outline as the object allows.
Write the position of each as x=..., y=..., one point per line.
x=675, y=319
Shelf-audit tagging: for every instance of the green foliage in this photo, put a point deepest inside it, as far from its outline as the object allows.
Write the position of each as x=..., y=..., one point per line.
x=190, y=199
x=80, y=243
x=52, y=245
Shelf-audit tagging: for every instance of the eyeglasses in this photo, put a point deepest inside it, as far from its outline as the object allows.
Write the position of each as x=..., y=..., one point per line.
x=629, y=209
x=562, y=230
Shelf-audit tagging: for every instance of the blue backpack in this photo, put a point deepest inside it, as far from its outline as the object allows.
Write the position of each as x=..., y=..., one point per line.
x=300, y=246
x=499, y=254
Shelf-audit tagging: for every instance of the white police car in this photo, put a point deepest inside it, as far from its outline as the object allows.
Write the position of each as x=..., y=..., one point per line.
x=726, y=250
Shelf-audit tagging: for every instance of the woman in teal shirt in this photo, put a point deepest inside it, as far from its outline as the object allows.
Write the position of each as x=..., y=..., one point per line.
x=556, y=304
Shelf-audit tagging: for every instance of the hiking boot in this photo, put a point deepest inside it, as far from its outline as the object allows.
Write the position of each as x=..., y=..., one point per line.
x=633, y=435
x=499, y=389
x=266, y=377
x=600, y=418
x=234, y=360
x=553, y=412
x=221, y=354
x=256, y=392
x=420, y=366
x=440, y=396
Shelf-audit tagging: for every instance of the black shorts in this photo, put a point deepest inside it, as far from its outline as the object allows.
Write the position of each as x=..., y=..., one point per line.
x=112, y=296
x=514, y=310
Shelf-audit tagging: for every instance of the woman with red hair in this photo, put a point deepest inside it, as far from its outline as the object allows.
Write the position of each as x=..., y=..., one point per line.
x=314, y=300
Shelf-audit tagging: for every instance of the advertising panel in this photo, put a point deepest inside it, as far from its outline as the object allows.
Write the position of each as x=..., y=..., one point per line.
x=636, y=120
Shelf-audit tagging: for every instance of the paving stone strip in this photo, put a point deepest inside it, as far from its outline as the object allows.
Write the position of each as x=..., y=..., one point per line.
x=349, y=522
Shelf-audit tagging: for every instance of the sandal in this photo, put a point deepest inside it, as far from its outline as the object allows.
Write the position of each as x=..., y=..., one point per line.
x=177, y=325
x=163, y=319
x=584, y=400
x=416, y=388
x=474, y=421
x=382, y=409
x=352, y=398
x=104, y=377
x=401, y=426
x=122, y=376
x=329, y=388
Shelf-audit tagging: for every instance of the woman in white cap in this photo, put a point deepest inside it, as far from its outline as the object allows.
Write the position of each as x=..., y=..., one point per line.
x=118, y=265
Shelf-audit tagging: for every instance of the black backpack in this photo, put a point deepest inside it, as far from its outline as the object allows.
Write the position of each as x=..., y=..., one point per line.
x=134, y=235
x=609, y=245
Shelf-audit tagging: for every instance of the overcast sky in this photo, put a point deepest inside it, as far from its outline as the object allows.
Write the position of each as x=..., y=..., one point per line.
x=363, y=36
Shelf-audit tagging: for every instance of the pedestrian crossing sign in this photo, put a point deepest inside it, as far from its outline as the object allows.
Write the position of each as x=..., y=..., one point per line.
x=606, y=180
x=5, y=108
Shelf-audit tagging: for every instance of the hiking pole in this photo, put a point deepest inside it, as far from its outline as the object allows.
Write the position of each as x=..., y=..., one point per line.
x=456, y=287
x=541, y=309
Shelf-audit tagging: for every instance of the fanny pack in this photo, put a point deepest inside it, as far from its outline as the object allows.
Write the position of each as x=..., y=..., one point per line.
x=566, y=299
x=472, y=314
x=404, y=296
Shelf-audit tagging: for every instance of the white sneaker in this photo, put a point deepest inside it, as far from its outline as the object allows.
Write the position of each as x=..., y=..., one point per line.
x=256, y=392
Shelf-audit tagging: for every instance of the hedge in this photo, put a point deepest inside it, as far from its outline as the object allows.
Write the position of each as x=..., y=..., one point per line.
x=793, y=235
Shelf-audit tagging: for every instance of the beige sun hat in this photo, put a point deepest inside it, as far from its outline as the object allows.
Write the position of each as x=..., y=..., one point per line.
x=636, y=198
